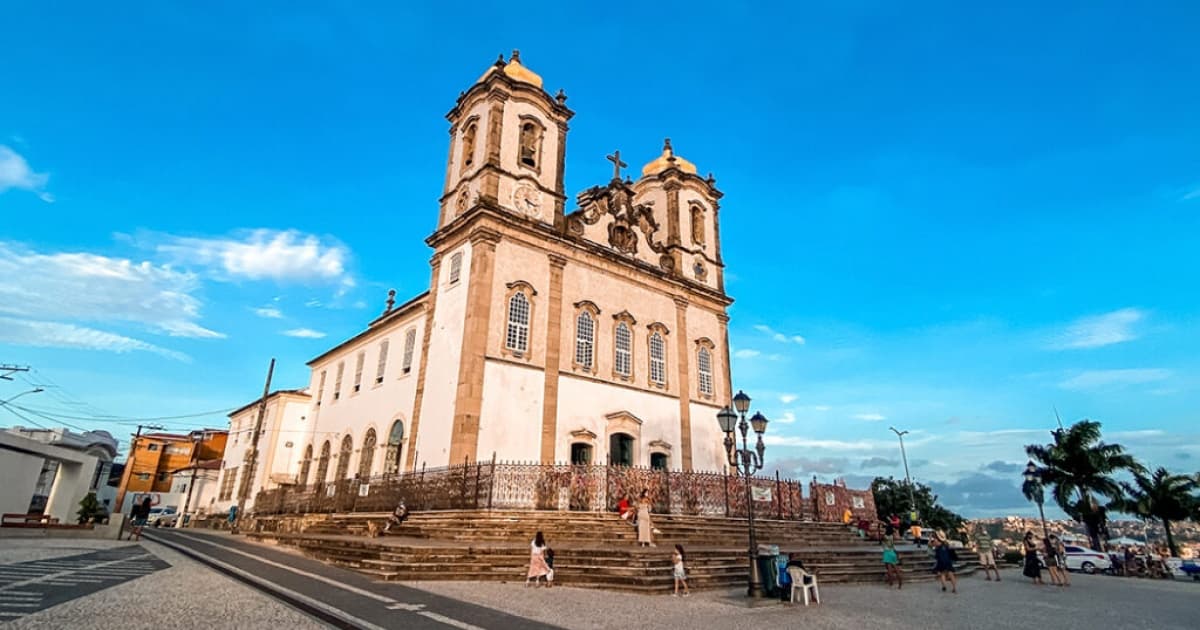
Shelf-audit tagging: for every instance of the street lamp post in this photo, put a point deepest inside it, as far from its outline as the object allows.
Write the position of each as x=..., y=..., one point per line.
x=1033, y=488
x=912, y=498
x=745, y=461
x=35, y=390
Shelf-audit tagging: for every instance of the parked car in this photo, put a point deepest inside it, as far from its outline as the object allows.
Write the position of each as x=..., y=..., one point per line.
x=1191, y=567
x=162, y=517
x=1086, y=560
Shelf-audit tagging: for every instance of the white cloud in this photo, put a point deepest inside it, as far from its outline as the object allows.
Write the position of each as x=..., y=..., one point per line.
x=821, y=407
x=304, y=333
x=832, y=445
x=83, y=287
x=786, y=417
x=870, y=417
x=283, y=256
x=788, y=399
x=58, y=335
x=1191, y=194
x=16, y=173
x=1094, y=379
x=1100, y=330
x=746, y=354
x=269, y=312
x=778, y=336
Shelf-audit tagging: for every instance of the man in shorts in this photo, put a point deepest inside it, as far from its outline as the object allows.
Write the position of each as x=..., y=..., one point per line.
x=987, y=557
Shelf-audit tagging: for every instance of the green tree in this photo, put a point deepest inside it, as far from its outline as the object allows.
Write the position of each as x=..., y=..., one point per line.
x=89, y=508
x=1078, y=467
x=892, y=497
x=1160, y=495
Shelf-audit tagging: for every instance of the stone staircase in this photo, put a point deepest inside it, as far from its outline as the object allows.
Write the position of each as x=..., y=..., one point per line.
x=596, y=550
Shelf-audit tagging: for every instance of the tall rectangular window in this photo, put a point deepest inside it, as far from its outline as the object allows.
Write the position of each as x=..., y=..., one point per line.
x=585, y=340
x=455, y=267
x=358, y=370
x=623, y=363
x=410, y=342
x=658, y=360
x=517, y=337
x=704, y=367
x=383, y=351
x=337, y=381
x=321, y=388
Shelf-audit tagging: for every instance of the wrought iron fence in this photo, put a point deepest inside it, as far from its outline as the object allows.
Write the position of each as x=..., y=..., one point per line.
x=532, y=486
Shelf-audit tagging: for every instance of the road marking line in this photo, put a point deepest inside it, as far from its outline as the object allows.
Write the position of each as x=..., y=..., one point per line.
x=271, y=586
x=11, y=614
x=408, y=607
x=314, y=576
x=49, y=579
x=448, y=621
x=19, y=604
x=353, y=589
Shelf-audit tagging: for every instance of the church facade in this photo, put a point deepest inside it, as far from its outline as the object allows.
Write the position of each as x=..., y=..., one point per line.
x=595, y=335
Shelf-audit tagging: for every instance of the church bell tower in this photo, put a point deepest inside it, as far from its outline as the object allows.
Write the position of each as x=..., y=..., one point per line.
x=507, y=146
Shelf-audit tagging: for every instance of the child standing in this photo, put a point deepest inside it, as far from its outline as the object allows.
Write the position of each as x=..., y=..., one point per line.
x=679, y=572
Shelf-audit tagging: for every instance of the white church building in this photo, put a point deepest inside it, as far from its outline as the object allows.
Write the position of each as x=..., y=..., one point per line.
x=592, y=335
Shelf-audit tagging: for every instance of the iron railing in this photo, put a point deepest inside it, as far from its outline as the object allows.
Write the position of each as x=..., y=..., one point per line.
x=532, y=486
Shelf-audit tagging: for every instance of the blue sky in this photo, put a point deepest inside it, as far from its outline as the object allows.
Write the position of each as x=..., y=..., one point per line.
x=941, y=218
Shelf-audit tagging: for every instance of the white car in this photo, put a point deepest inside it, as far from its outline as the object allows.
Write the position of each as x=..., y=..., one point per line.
x=1086, y=560
x=162, y=517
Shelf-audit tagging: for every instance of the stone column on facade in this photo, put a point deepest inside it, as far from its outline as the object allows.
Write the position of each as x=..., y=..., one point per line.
x=410, y=462
x=553, y=352
x=491, y=180
x=442, y=218
x=468, y=400
x=727, y=400
x=684, y=381
x=559, y=201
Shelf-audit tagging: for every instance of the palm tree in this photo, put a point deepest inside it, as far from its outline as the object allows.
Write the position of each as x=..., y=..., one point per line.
x=1161, y=495
x=1078, y=467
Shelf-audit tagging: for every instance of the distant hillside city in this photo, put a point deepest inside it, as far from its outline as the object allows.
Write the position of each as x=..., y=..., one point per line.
x=1008, y=530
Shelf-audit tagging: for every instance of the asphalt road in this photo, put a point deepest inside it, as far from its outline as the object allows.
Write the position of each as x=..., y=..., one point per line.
x=29, y=587
x=339, y=597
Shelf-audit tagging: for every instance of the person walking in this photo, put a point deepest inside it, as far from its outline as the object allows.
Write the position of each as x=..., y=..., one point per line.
x=645, y=526
x=944, y=558
x=138, y=515
x=1052, y=562
x=538, y=568
x=915, y=530
x=987, y=556
x=678, y=572
x=1060, y=550
x=1033, y=568
x=891, y=560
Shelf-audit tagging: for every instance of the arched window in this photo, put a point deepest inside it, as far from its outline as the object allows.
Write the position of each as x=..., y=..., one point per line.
x=305, y=466
x=322, y=465
x=410, y=341
x=705, y=373
x=391, y=462
x=585, y=340
x=659, y=461
x=530, y=148
x=455, y=267
x=468, y=144
x=658, y=359
x=517, y=337
x=366, y=456
x=697, y=225
x=343, y=467
x=581, y=454
x=623, y=361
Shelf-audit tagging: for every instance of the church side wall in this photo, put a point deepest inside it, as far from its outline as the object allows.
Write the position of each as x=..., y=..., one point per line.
x=442, y=364
x=584, y=404
x=708, y=450
x=511, y=422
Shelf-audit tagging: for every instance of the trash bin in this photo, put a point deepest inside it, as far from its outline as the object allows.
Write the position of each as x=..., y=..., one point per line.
x=768, y=569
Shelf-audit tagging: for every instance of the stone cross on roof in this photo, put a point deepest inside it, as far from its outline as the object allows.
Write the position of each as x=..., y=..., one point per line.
x=615, y=158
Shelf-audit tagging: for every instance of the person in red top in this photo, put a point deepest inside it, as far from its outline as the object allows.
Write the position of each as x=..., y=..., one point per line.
x=625, y=509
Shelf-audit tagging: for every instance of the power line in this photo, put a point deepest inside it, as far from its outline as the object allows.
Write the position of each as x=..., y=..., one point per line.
x=130, y=420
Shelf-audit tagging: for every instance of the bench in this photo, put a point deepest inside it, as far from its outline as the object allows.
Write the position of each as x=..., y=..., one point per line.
x=27, y=520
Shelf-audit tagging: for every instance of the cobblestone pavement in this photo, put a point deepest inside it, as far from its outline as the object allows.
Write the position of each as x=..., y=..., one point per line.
x=1092, y=602
x=27, y=549
x=27, y=587
x=187, y=595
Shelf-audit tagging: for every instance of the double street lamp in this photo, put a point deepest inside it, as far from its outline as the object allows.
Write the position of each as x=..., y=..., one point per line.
x=1034, y=490
x=745, y=461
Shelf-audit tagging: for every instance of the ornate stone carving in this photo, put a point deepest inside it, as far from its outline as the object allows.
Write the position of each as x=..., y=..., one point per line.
x=667, y=262
x=628, y=218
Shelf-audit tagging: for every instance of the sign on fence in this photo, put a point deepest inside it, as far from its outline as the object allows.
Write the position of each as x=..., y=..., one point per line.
x=330, y=489
x=760, y=494
x=364, y=489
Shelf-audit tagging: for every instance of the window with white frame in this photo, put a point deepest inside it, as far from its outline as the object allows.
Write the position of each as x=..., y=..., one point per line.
x=151, y=447
x=517, y=337
x=379, y=369
x=321, y=388
x=623, y=342
x=337, y=381
x=585, y=340
x=456, y=267
x=704, y=367
x=658, y=359
x=358, y=370
x=410, y=342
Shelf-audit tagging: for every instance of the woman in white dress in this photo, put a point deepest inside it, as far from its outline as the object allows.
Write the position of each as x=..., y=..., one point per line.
x=538, y=568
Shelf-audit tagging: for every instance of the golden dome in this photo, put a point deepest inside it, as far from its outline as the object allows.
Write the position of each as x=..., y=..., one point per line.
x=514, y=70
x=667, y=160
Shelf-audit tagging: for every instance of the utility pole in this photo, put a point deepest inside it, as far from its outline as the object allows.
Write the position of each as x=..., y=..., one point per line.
x=251, y=460
x=7, y=370
x=912, y=499
x=187, y=501
x=125, y=476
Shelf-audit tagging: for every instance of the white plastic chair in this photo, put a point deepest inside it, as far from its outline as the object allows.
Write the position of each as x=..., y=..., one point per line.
x=805, y=582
